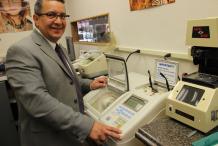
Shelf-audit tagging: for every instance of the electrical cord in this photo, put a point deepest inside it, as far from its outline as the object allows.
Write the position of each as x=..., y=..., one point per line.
x=167, y=56
x=167, y=84
x=137, y=51
x=150, y=82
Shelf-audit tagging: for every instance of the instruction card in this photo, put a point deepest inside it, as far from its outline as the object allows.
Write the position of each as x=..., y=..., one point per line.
x=169, y=69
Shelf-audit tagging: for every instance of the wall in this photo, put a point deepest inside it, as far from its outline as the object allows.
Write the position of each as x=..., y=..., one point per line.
x=161, y=28
x=158, y=29
x=6, y=39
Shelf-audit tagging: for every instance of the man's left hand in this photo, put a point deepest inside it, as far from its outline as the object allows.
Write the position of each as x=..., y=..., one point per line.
x=98, y=82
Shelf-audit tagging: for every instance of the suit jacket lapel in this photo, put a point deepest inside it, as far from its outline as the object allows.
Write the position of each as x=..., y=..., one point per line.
x=47, y=49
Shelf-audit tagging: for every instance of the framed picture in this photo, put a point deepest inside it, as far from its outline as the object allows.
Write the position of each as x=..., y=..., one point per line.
x=15, y=16
x=143, y=4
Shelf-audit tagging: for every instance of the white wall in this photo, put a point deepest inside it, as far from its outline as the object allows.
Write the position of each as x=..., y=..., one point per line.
x=6, y=39
x=160, y=28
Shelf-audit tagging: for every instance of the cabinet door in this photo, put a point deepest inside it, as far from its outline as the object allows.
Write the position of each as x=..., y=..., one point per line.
x=8, y=131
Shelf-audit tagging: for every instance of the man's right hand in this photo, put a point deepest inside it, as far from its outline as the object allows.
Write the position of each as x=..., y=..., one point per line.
x=100, y=132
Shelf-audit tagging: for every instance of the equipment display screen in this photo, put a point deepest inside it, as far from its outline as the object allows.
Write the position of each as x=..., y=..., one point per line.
x=190, y=95
x=134, y=103
x=201, y=32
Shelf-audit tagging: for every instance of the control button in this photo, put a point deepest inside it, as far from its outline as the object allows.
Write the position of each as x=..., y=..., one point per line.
x=75, y=100
x=71, y=82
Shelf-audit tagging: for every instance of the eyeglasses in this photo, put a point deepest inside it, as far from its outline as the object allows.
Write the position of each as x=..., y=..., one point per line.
x=54, y=15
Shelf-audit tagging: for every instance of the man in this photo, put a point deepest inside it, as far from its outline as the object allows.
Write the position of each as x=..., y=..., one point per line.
x=47, y=90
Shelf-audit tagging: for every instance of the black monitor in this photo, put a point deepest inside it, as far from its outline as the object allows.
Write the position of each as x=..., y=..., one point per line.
x=70, y=48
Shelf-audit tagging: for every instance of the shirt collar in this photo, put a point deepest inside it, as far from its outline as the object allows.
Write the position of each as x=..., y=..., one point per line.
x=53, y=45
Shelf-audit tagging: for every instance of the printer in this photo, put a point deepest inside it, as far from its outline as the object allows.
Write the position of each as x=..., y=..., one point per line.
x=194, y=100
x=91, y=64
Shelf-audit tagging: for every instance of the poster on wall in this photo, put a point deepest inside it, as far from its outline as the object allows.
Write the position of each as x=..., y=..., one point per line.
x=15, y=16
x=143, y=4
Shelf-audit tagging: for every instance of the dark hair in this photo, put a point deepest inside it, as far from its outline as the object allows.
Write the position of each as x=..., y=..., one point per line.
x=38, y=5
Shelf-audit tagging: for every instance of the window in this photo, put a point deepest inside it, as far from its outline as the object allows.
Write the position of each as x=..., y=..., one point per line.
x=94, y=29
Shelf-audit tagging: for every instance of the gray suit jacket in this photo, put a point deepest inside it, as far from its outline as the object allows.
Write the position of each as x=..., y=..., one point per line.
x=47, y=99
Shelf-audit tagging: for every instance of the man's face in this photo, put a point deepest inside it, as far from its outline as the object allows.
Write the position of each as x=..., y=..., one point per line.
x=51, y=28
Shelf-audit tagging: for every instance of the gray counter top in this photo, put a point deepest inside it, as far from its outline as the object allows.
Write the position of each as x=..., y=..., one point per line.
x=168, y=132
